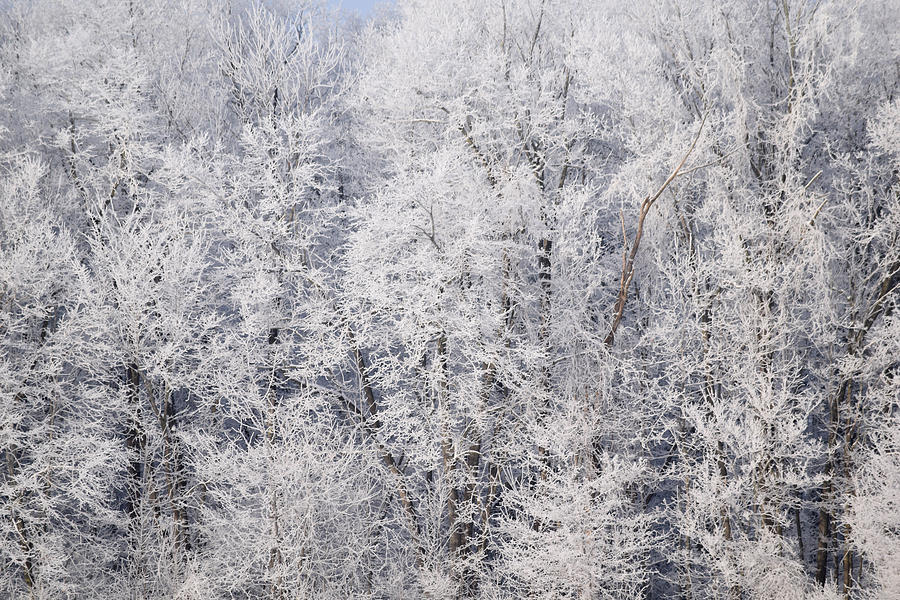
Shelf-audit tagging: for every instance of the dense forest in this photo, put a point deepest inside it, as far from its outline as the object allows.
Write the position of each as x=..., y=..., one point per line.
x=474, y=299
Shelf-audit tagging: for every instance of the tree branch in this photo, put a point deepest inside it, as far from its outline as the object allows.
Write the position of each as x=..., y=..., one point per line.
x=628, y=262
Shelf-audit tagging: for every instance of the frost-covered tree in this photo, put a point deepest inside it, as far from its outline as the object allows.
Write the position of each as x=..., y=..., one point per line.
x=61, y=456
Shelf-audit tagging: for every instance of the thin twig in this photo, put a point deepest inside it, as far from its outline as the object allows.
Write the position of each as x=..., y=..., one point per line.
x=709, y=164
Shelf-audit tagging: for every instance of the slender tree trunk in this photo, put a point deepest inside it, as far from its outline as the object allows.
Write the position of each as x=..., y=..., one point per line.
x=372, y=427
x=134, y=439
x=825, y=497
x=23, y=537
x=798, y=525
x=276, y=558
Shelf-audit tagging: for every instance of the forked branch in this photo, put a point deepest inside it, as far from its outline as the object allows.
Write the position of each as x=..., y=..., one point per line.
x=628, y=259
